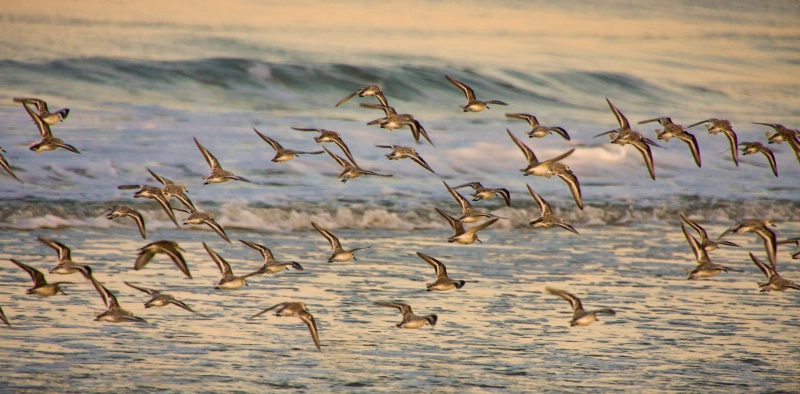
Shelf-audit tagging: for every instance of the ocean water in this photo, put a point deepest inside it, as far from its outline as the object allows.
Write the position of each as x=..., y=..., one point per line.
x=142, y=81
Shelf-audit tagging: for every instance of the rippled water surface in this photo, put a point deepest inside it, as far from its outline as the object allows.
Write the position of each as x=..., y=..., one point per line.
x=141, y=82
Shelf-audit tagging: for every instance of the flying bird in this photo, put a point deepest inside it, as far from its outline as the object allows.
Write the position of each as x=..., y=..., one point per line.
x=442, y=282
x=40, y=285
x=367, y=91
x=547, y=218
x=218, y=175
x=170, y=248
x=485, y=193
x=774, y=280
x=154, y=193
x=229, y=281
x=410, y=320
x=339, y=254
x=468, y=213
x=119, y=211
x=158, y=299
x=625, y=135
x=537, y=130
x=7, y=167
x=170, y=189
x=580, y=317
x=47, y=142
x=198, y=217
x=750, y=148
x=296, y=309
x=114, y=312
x=673, y=130
x=282, y=154
x=761, y=228
x=51, y=118
x=473, y=104
x=350, y=169
x=459, y=234
x=271, y=265
x=707, y=243
x=401, y=152
x=714, y=126
x=705, y=268
x=550, y=167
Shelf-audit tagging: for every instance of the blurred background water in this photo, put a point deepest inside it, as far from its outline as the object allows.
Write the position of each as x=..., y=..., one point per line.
x=143, y=79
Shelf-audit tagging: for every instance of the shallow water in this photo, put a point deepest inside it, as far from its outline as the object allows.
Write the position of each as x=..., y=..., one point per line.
x=142, y=82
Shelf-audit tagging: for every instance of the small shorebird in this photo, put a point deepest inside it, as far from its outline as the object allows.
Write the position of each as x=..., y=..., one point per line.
x=537, y=130
x=705, y=268
x=783, y=133
x=47, y=142
x=282, y=154
x=65, y=264
x=271, y=265
x=580, y=317
x=750, y=148
x=170, y=190
x=296, y=309
x=218, y=175
x=40, y=285
x=170, y=248
x=625, y=135
x=401, y=152
x=410, y=320
x=3, y=317
x=198, y=217
x=393, y=120
x=229, y=281
x=485, y=193
x=761, y=228
x=774, y=280
x=547, y=218
x=473, y=104
x=114, y=312
x=6, y=166
x=158, y=299
x=367, y=91
x=339, y=254
x=795, y=241
x=351, y=169
x=705, y=241
x=329, y=136
x=442, y=282
x=714, y=126
x=153, y=193
x=119, y=211
x=549, y=168
x=51, y=118
x=671, y=130
x=468, y=213
x=459, y=235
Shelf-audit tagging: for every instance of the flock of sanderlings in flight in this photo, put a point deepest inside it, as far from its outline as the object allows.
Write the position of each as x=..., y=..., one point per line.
x=38, y=111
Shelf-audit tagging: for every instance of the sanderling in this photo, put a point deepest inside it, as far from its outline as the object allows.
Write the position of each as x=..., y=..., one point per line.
x=442, y=282
x=537, y=130
x=410, y=320
x=473, y=104
x=297, y=309
x=170, y=248
x=580, y=317
x=218, y=175
x=339, y=254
